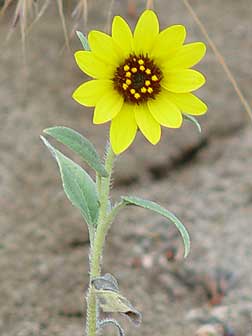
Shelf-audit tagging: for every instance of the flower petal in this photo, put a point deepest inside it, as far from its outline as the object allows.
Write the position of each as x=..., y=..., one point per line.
x=122, y=35
x=186, y=56
x=146, y=31
x=107, y=107
x=89, y=93
x=92, y=66
x=104, y=47
x=147, y=124
x=188, y=103
x=165, y=111
x=181, y=81
x=123, y=129
x=167, y=41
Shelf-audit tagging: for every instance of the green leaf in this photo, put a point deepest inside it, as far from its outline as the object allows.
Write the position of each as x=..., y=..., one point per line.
x=80, y=145
x=158, y=209
x=193, y=120
x=78, y=186
x=83, y=40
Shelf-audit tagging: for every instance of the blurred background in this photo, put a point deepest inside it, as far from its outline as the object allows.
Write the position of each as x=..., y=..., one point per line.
x=205, y=179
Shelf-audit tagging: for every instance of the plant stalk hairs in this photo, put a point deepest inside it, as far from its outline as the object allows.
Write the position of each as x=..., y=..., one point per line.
x=140, y=81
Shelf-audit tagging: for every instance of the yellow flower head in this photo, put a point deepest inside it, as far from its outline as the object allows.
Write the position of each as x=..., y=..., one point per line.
x=141, y=80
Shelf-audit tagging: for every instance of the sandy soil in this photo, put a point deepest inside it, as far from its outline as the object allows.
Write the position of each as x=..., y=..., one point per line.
x=205, y=179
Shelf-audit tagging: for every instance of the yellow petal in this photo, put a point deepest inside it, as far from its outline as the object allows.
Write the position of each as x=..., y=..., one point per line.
x=123, y=129
x=89, y=93
x=165, y=111
x=147, y=124
x=122, y=35
x=146, y=31
x=167, y=41
x=92, y=66
x=181, y=81
x=107, y=107
x=186, y=56
x=104, y=47
x=188, y=103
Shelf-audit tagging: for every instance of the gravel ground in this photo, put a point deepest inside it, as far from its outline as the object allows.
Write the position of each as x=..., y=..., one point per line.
x=204, y=179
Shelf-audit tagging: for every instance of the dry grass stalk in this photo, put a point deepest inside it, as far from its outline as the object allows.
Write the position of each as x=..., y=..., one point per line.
x=26, y=13
x=80, y=14
x=39, y=13
x=6, y=4
x=220, y=59
x=109, y=16
x=149, y=4
x=23, y=11
x=63, y=21
x=132, y=7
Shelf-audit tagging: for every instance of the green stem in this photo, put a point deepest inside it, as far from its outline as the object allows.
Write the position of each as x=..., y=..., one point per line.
x=98, y=183
x=92, y=309
x=103, y=224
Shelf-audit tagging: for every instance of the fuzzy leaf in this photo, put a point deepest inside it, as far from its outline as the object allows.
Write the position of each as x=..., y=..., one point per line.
x=78, y=185
x=193, y=120
x=83, y=40
x=158, y=209
x=106, y=282
x=113, y=302
x=80, y=145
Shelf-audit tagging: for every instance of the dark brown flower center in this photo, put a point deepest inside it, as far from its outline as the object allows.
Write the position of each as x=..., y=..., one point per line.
x=137, y=79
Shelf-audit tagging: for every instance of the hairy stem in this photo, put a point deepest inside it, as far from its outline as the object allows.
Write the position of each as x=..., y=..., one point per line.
x=104, y=221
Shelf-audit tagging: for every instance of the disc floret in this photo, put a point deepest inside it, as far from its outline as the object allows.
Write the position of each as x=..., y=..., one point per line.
x=138, y=79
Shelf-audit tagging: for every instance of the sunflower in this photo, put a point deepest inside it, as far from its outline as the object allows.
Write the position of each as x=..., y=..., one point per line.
x=141, y=80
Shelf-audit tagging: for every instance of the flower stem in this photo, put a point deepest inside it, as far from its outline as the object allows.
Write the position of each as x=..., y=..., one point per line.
x=104, y=221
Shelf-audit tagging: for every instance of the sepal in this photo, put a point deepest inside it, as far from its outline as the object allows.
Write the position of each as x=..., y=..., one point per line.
x=193, y=120
x=83, y=40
